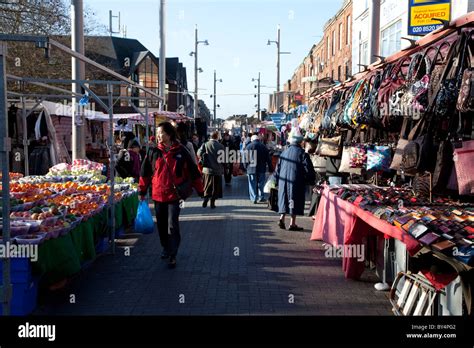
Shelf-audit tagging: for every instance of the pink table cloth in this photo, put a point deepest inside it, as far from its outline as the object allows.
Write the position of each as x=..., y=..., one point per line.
x=341, y=223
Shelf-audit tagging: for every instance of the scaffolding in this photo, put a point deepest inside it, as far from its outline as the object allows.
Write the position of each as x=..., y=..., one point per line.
x=45, y=43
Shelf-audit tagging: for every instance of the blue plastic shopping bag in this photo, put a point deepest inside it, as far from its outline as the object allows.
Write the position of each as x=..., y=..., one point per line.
x=144, y=221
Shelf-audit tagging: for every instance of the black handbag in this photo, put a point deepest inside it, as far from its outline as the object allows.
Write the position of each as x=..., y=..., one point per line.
x=444, y=165
x=447, y=96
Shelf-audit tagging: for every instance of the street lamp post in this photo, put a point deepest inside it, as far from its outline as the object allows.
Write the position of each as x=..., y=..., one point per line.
x=258, y=96
x=215, y=101
x=196, y=69
x=278, y=44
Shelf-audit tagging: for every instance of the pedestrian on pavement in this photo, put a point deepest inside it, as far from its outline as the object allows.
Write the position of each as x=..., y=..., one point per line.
x=257, y=160
x=316, y=190
x=228, y=165
x=182, y=130
x=167, y=167
x=195, y=141
x=210, y=152
x=129, y=162
x=294, y=172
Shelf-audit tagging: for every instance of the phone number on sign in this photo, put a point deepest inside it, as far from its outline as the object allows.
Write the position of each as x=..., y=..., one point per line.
x=425, y=29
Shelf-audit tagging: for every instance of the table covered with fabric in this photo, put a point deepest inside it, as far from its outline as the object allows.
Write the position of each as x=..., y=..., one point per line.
x=341, y=223
x=64, y=256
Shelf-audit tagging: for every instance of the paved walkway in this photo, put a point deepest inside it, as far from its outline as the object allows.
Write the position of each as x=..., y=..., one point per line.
x=233, y=260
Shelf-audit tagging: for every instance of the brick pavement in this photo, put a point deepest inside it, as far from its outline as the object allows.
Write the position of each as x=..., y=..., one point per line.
x=233, y=260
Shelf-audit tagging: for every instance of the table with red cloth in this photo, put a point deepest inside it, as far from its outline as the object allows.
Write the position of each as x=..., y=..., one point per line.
x=340, y=223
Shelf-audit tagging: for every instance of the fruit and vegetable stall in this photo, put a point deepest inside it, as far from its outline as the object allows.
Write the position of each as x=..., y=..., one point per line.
x=66, y=214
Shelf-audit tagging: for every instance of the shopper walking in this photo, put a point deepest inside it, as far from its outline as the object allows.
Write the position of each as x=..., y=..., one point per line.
x=182, y=131
x=257, y=160
x=294, y=172
x=213, y=170
x=229, y=148
x=169, y=169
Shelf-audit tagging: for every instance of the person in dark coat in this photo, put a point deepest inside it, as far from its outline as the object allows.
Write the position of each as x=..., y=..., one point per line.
x=229, y=147
x=211, y=154
x=258, y=158
x=294, y=171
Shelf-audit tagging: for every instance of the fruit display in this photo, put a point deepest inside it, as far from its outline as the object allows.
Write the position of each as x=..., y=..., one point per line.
x=46, y=207
x=13, y=176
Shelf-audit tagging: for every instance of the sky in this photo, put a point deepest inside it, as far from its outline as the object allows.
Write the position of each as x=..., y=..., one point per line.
x=237, y=31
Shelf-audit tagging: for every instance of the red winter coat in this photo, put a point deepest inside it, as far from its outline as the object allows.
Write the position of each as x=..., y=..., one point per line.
x=179, y=167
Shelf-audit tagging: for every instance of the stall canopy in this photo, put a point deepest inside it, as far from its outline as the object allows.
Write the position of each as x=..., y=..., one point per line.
x=64, y=109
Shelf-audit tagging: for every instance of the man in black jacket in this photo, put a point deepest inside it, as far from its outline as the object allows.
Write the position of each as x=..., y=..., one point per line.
x=229, y=148
x=257, y=158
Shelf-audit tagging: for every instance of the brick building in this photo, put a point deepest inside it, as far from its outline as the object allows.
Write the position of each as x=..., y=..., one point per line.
x=328, y=60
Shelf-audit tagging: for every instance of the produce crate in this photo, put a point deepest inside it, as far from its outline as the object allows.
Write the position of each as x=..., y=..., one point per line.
x=20, y=270
x=24, y=298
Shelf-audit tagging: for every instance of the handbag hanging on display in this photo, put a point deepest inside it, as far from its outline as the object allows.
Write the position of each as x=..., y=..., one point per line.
x=415, y=98
x=465, y=102
x=447, y=96
x=400, y=149
x=379, y=158
x=330, y=147
x=464, y=164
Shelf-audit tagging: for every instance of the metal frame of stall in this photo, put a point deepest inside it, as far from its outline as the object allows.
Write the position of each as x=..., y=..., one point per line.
x=5, y=143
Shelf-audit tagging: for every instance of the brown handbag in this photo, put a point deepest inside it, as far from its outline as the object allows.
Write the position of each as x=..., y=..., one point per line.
x=400, y=149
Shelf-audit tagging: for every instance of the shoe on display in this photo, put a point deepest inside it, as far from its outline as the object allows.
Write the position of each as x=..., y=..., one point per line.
x=382, y=287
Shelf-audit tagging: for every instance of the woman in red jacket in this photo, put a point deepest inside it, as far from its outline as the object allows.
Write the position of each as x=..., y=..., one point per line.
x=168, y=168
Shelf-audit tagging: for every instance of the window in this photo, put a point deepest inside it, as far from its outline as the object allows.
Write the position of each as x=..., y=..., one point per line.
x=339, y=73
x=348, y=29
x=332, y=74
x=391, y=39
x=340, y=36
x=333, y=42
x=348, y=71
x=364, y=53
x=328, y=44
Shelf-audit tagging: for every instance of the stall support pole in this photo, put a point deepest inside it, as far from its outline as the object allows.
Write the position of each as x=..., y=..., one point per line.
x=147, y=133
x=25, y=136
x=6, y=289
x=112, y=168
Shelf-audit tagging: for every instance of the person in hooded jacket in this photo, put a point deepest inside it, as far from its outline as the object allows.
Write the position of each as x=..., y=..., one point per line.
x=167, y=167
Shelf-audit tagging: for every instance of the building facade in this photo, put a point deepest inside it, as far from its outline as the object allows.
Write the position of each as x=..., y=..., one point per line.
x=328, y=61
x=394, y=19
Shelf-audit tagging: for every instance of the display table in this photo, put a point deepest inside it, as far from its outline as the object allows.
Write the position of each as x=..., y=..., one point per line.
x=341, y=223
x=62, y=257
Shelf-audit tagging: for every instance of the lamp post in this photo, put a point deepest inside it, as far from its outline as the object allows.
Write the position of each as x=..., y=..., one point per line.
x=214, y=95
x=258, y=96
x=196, y=69
x=278, y=44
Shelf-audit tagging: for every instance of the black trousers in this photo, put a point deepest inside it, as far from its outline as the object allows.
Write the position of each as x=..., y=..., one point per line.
x=313, y=208
x=167, y=219
x=228, y=172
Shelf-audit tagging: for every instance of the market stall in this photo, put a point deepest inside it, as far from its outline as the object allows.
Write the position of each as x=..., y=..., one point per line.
x=65, y=213
x=405, y=125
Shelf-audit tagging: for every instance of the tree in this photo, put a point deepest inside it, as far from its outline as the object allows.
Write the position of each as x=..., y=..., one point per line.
x=41, y=17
